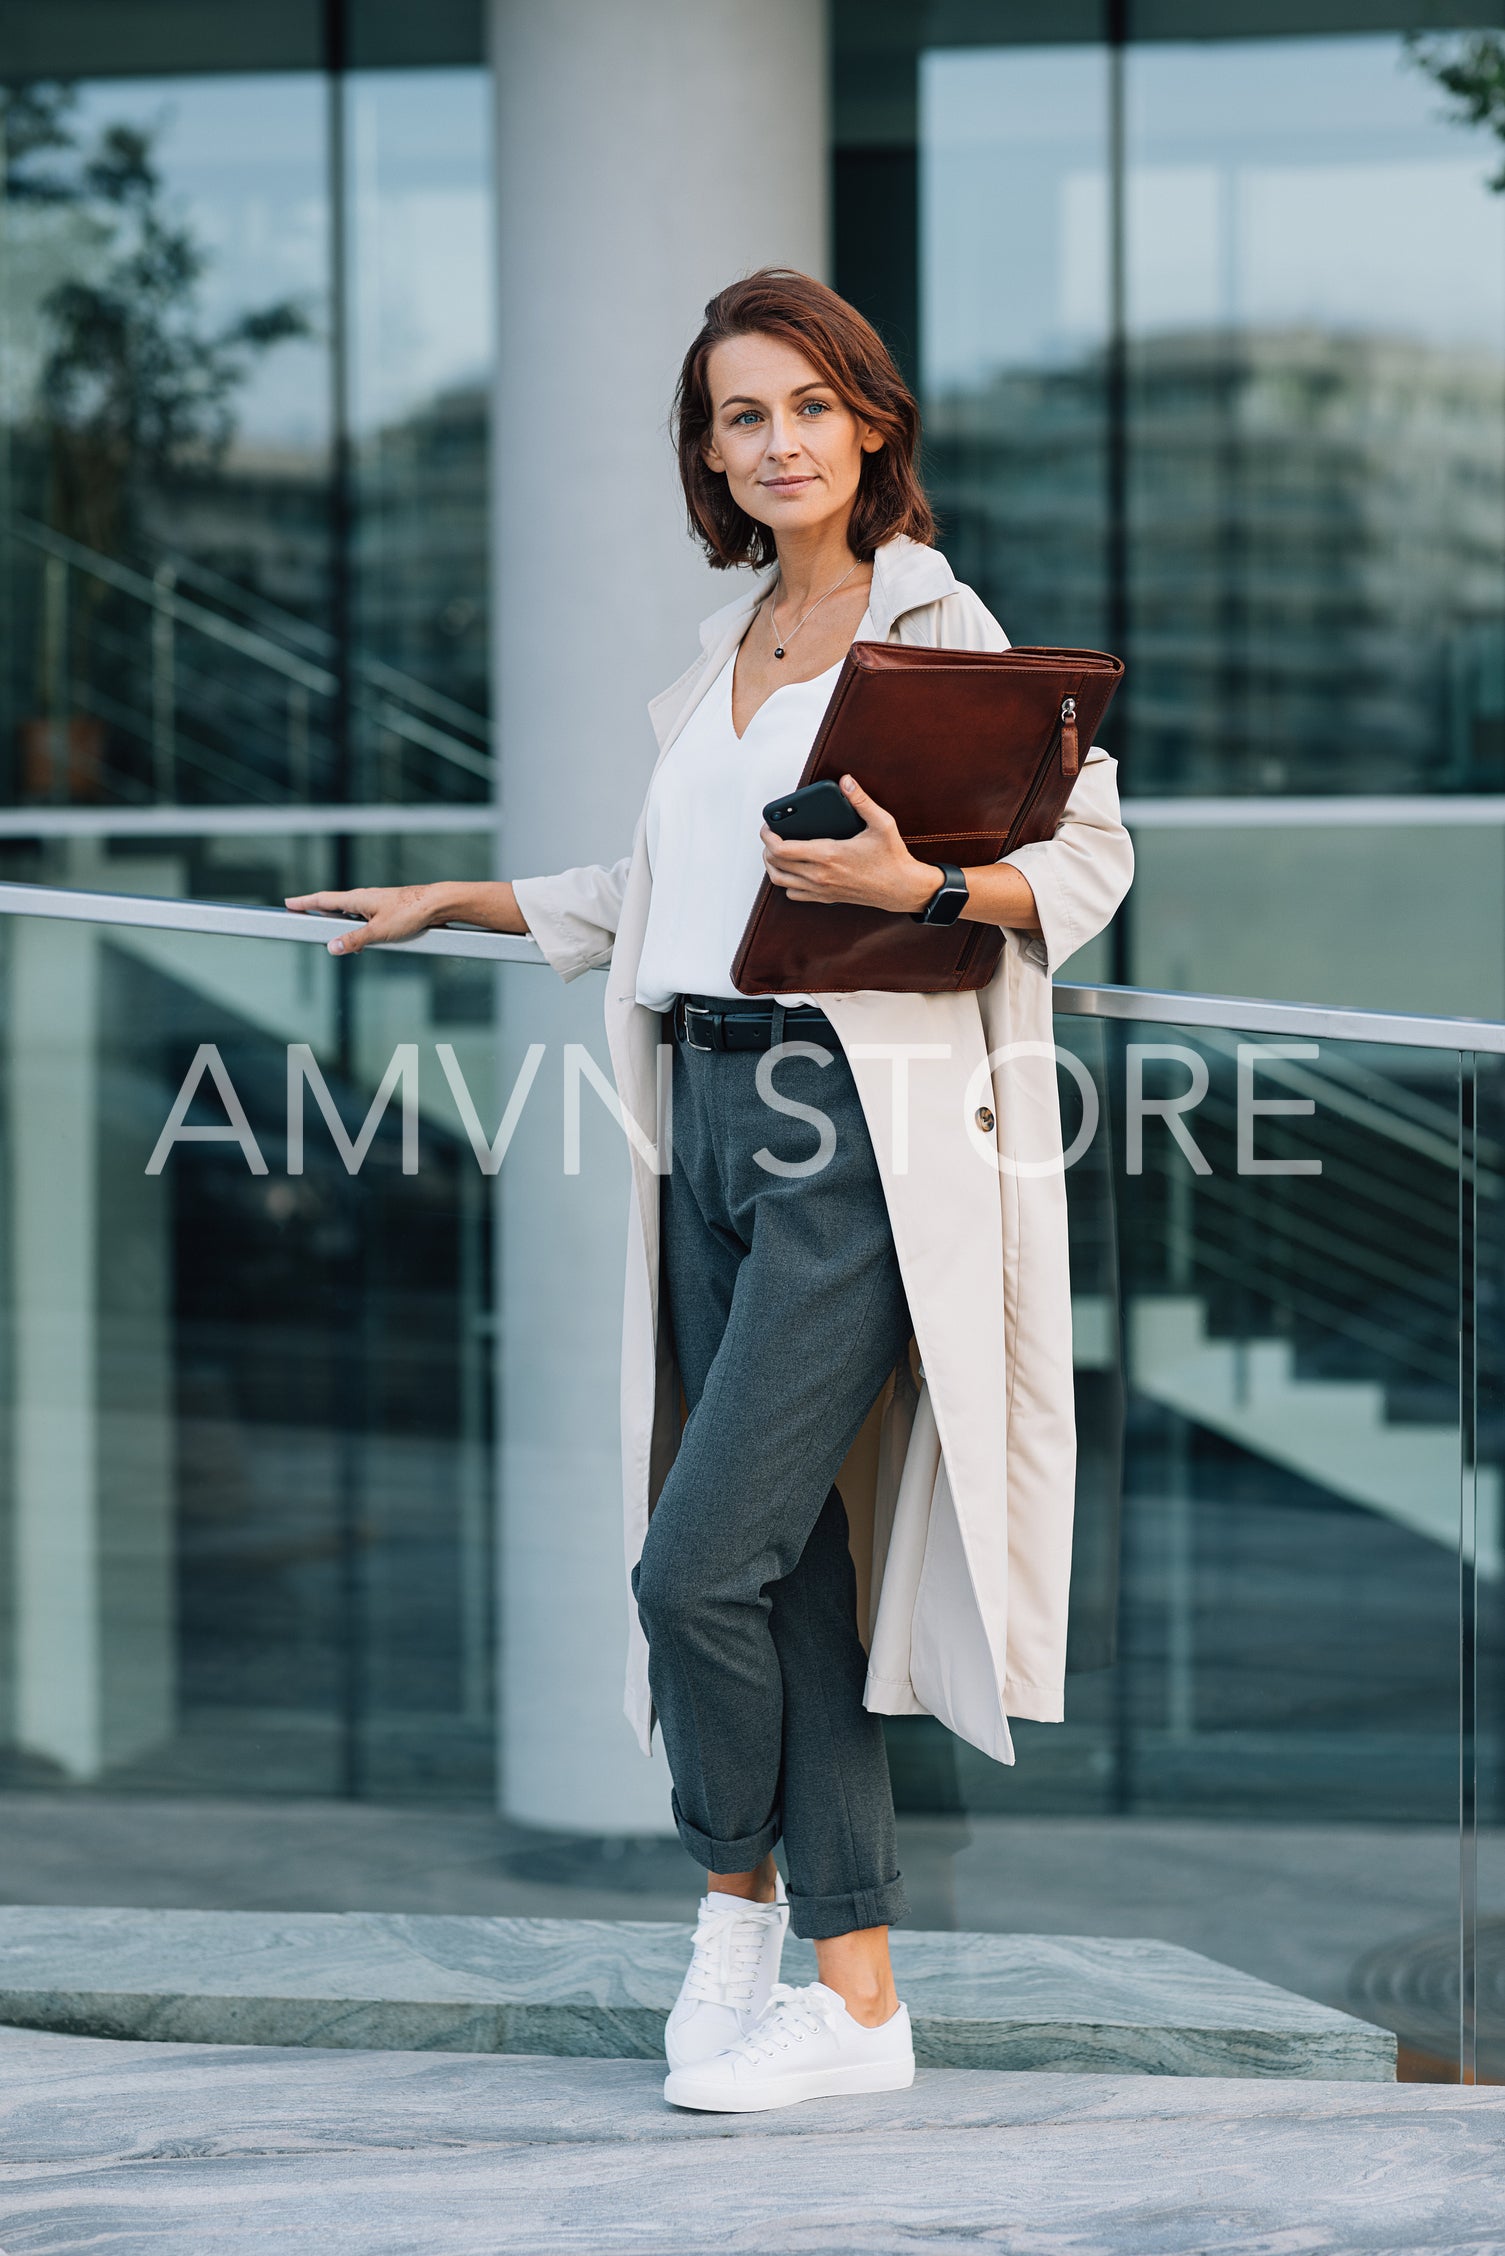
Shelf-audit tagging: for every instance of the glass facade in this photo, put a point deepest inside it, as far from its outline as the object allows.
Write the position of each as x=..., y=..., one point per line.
x=1207, y=312
x=243, y=348
x=1315, y=322
x=1210, y=337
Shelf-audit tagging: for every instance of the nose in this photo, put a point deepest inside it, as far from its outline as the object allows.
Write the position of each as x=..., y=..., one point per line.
x=783, y=438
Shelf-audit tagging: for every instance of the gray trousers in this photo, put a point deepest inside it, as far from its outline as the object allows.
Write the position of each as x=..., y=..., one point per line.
x=788, y=1314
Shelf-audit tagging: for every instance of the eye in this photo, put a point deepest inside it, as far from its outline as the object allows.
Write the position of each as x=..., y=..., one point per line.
x=816, y=407
x=747, y=415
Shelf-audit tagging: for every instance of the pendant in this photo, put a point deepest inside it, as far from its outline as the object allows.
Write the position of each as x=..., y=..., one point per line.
x=779, y=652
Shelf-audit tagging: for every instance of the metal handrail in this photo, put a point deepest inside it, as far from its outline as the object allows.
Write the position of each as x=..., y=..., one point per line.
x=141, y=911
x=1143, y=1005
x=1250, y=1015
x=270, y=819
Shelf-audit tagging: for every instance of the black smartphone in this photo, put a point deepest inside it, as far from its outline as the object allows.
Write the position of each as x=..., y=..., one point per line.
x=816, y=810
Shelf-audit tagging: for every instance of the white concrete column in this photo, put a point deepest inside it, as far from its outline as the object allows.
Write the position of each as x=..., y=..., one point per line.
x=90, y=1314
x=134, y=1413
x=647, y=152
x=54, y=977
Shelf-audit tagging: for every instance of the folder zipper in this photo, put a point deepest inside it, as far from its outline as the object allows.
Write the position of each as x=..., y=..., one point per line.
x=1067, y=739
x=1068, y=736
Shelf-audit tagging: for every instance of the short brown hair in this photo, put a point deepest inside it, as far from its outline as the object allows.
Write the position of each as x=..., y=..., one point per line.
x=856, y=363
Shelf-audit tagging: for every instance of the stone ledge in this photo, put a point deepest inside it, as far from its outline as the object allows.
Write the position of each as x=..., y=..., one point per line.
x=601, y=1989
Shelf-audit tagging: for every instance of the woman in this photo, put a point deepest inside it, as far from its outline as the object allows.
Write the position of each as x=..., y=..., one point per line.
x=780, y=1283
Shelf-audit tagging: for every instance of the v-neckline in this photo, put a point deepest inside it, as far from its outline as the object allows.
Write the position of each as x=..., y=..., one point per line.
x=806, y=682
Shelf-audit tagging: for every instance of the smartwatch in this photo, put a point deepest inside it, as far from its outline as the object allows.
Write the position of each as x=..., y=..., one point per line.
x=947, y=901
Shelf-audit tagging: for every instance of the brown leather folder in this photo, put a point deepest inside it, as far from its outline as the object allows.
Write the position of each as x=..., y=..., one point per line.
x=973, y=752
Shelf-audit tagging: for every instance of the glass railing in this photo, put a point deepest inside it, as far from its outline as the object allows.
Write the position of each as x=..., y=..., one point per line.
x=309, y=1492
x=1296, y=1736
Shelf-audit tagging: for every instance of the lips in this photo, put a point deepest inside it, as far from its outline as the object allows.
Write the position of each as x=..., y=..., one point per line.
x=786, y=485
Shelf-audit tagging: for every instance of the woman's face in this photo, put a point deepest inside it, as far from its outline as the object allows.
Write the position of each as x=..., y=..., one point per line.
x=791, y=450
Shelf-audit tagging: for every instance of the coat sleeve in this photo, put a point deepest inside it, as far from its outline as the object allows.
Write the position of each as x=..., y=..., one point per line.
x=574, y=916
x=1078, y=877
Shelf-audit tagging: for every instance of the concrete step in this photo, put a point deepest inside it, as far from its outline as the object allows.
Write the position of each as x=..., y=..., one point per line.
x=602, y=1988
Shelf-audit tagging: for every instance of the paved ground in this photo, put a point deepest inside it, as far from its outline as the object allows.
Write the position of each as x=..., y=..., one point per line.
x=176, y=2150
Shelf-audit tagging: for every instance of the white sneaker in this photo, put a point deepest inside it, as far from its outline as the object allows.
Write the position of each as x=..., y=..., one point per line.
x=807, y=2046
x=738, y=1946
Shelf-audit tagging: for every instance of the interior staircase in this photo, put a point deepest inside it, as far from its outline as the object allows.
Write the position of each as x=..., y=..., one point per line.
x=1338, y=1433
x=1315, y=1321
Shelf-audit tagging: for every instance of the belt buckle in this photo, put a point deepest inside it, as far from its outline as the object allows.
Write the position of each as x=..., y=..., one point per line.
x=697, y=1010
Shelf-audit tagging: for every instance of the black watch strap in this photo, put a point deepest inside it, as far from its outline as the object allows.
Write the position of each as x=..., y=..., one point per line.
x=948, y=900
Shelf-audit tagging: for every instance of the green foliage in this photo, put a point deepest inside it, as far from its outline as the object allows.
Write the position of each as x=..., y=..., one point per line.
x=1470, y=67
x=134, y=385
x=34, y=126
x=130, y=362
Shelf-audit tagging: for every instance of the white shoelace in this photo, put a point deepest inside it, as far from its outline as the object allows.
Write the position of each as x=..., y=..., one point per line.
x=791, y=2017
x=728, y=1947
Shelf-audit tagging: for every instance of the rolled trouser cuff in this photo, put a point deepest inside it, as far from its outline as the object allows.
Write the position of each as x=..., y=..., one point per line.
x=714, y=1855
x=817, y=1918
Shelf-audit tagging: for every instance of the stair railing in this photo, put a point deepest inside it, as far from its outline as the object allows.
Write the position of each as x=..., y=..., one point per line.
x=295, y=669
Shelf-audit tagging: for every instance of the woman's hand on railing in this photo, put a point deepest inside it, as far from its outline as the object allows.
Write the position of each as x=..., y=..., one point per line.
x=402, y=912
x=391, y=912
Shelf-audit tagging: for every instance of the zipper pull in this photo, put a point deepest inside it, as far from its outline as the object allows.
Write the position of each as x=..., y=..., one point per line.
x=1068, y=736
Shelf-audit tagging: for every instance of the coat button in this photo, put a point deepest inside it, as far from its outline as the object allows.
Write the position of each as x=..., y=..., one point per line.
x=984, y=1118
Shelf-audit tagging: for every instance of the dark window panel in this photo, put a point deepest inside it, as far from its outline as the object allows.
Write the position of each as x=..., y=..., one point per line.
x=168, y=38
x=876, y=211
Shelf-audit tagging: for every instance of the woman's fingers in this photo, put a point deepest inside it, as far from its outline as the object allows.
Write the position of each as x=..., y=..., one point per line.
x=790, y=854
x=875, y=869
x=876, y=817
x=329, y=902
x=785, y=869
x=390, y=912
x=358, y=904
x=358, y=936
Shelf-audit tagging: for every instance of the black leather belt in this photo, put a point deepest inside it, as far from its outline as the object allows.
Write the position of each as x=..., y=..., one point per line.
x=712, y=1022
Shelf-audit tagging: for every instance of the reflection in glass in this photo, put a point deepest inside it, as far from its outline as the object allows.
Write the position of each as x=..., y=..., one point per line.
x=420, y=345
x=1314, y=299
x=247, y=1507
x=1316, y=303
x=1014, y=321
x=197, y=602
x=1482, y=2021
x=166, y=438
x=247, y=1501
x=1264, y=1765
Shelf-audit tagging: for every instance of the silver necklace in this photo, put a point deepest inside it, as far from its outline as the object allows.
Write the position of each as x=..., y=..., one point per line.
x=781, y=642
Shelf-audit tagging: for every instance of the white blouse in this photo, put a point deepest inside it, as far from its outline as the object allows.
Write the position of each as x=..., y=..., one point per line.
x=705, y=810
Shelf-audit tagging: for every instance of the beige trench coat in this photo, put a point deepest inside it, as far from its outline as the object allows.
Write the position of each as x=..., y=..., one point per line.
x=961, y=1491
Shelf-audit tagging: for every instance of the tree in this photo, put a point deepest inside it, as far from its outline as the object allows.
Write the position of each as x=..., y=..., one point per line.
x=1471, y=68
x=134, y=387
